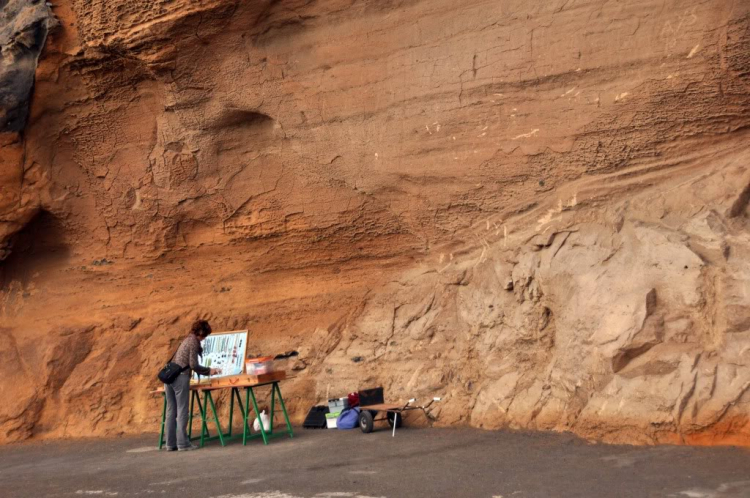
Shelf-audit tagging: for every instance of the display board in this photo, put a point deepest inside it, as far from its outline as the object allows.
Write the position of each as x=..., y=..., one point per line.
x=224, y=350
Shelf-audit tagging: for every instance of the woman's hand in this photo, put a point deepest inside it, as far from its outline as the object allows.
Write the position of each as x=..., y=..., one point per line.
x=215, y=371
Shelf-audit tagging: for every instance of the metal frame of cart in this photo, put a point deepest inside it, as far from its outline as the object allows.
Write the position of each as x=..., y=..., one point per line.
x=393, y=414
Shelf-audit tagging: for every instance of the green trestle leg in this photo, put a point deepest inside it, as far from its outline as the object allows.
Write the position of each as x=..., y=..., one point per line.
x=266, y=433
x=208, y=401
x=283, y=408
x=163, y=421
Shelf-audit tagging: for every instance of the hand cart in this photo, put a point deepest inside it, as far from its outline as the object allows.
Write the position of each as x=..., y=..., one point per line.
x=393, y=413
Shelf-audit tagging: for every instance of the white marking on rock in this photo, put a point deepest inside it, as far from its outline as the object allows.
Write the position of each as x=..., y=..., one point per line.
x=622, y=96
x=137, y=204
x=363, y=472
x=251, y=481
x=547, y=218
x=527, y=135
x=694, y=51
x=568, y=92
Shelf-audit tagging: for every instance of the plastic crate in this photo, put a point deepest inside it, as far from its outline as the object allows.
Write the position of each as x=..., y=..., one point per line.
x=337, y=405
x=331, y=419
x=371, y=397
x=259, y=366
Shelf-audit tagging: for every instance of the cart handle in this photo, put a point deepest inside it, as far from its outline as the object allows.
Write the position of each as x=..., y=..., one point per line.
x=425, y=407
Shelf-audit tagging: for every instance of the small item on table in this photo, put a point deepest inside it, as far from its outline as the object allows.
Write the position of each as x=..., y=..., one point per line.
x=259, y=366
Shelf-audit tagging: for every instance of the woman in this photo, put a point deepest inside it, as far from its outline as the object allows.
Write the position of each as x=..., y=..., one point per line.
x=178, y=392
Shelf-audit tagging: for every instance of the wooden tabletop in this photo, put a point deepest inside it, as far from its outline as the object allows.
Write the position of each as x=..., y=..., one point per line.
x=209, y=387
x=160, y=390
x=238, y=385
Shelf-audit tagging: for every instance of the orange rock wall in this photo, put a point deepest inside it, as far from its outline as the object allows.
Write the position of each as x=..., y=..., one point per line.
x=536, y=210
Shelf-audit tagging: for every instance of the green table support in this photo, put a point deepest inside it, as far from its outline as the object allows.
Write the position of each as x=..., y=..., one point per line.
x=208, y=401
x=264, y=434
x=245, y=409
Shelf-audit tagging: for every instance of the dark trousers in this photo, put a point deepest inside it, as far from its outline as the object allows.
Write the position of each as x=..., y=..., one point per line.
x=178, y=401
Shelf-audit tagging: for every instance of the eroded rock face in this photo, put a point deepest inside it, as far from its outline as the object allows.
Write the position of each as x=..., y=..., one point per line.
x=23, y=30
x=537, y=212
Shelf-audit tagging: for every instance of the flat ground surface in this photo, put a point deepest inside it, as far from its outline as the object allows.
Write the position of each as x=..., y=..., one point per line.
x=417, y=462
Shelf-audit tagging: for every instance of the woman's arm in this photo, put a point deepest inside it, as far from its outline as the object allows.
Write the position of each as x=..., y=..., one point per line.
x=194, y=364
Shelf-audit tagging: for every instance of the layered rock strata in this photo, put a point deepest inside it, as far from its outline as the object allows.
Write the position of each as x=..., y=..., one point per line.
x=538, y=211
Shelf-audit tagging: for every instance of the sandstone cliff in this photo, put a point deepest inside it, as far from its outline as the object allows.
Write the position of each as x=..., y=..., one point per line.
x=537, y=210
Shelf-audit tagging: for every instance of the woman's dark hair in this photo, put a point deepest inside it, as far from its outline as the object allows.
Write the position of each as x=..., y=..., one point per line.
x=201, y=328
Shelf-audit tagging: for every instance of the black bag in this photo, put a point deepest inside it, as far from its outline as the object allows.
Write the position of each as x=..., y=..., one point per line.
x=171, y=371
x=316, y=418
x=371, y=396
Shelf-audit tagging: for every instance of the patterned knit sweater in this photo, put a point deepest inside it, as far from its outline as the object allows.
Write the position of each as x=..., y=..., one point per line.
x=187, y=355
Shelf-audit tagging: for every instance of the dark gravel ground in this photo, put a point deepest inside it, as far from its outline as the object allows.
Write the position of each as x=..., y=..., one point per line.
x=417, y=462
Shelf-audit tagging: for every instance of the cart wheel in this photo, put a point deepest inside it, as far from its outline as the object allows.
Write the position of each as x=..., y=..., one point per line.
x=392, y=416
x=365, y=421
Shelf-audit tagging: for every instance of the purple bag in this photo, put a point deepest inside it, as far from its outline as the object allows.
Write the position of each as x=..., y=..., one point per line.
x=348, y=419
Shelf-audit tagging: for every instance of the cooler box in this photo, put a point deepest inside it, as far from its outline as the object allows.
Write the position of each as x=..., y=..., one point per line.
x=331, y=419
x=337, y=405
